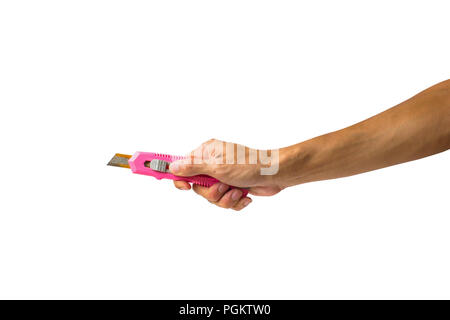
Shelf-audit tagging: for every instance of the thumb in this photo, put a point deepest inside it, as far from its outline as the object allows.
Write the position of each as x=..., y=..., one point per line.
x=185, y=168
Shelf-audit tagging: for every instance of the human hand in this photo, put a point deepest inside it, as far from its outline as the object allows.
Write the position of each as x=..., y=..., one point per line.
x=232, y=164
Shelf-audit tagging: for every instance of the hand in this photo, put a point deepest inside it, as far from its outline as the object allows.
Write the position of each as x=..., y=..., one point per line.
x=232, y=169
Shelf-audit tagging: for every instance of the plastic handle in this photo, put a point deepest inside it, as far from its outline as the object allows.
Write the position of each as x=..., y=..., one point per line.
x=137, y=165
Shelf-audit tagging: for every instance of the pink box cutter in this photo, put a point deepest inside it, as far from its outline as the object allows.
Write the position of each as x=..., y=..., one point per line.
x=156, y=165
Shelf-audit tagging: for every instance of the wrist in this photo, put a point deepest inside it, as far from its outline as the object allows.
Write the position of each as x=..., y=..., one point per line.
x=292, y=165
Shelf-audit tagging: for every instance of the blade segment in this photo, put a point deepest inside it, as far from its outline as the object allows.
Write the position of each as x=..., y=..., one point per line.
x=120, y=160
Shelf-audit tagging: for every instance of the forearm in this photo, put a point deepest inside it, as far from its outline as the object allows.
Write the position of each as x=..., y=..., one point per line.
x=414, y=129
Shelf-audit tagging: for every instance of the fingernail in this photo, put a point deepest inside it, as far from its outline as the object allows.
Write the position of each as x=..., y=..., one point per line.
x=223, y=188
x=236, y=195
x=246, y=202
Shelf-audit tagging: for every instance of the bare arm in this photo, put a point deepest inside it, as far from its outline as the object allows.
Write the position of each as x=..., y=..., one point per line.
x=416, y=128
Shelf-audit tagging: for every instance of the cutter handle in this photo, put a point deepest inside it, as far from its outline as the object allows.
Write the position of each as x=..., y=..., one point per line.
x=138, y=165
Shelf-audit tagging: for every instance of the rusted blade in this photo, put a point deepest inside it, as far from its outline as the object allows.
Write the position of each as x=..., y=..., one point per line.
x=120, y=160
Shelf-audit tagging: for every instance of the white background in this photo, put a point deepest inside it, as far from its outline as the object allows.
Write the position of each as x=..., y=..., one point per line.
x=81, y=80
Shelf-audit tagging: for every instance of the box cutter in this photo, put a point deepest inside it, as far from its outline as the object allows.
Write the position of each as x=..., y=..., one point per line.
x=157, y=165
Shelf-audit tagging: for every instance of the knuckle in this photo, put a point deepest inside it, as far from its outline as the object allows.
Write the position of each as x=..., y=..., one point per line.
x=178, y=185
x=221, y=205
x=196, y=190
x=226, y=204
x=213, y=196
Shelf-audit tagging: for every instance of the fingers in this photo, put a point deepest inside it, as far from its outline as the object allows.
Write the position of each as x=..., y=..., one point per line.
x=220, y=195
x=230, y=199
x=186, y=168
x=242, y=203
x=213, y=193
x=182, y=185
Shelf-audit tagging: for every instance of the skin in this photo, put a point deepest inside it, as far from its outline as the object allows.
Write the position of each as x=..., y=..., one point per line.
x=414, y=129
